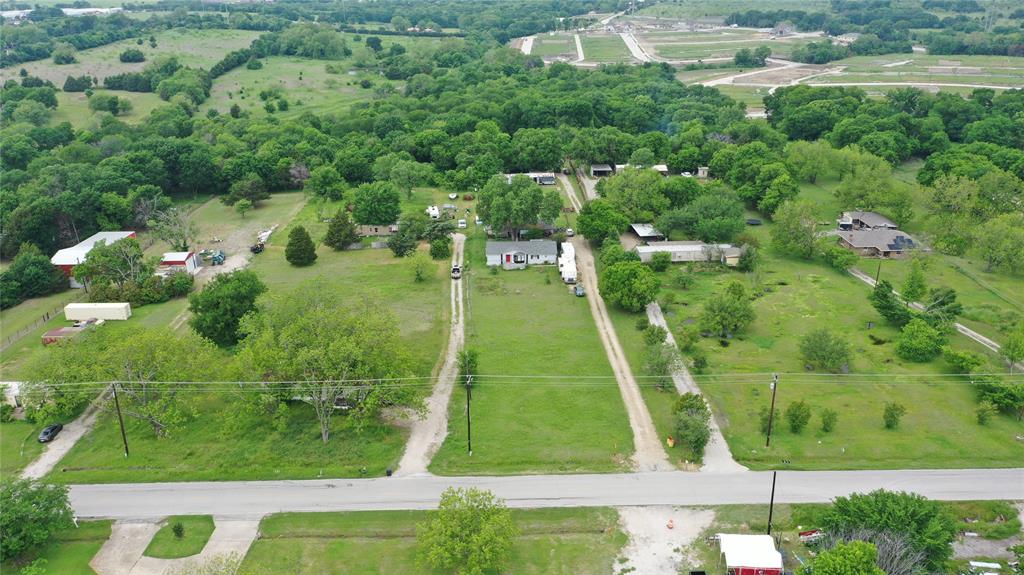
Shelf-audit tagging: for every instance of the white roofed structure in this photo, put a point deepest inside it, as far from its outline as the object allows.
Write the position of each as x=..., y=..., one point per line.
x=755, y=552
x=76, y=254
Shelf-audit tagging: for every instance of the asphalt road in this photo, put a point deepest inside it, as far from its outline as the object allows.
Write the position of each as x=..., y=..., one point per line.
x=252, y=498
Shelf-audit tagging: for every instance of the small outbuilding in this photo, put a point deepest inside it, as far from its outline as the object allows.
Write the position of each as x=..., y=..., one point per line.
x=180, y=262
x=749, y=554
x=67, y=258
x=647, y=232
x=518, y=255
x=540, y=178
x=601, y=170
x=661, y=169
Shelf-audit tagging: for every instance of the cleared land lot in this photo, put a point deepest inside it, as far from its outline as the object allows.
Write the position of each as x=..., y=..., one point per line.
x=548, y=45
x=604, y=48
x=582, y=540
x=722, y=48
x=717, y=10
x=525, y=323
x=991, y=70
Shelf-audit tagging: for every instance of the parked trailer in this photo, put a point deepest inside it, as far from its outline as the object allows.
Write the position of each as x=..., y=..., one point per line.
x=83, y=311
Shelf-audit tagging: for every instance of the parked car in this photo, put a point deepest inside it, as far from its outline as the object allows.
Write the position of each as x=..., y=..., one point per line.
x=687, y=175
x=49, y=433
x=456, y=272
x=569, y=232
x=462, y=224
x=579, y=291
x=452, y=196
x=479, y=221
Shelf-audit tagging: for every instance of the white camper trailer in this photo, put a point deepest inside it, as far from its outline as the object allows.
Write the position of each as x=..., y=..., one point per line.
x=84, y=311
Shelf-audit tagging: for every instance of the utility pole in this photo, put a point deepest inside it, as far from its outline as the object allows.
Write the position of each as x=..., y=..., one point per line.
x=771, y=411
x=120, y=420
x=469, y=417
x=771, y=503
x=878, y=272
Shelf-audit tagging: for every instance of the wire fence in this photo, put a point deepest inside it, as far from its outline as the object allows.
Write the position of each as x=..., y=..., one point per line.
x=16, y=336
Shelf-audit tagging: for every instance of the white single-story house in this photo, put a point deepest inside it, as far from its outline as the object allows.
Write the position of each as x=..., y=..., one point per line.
x=878, y=242
x=518, y=255
x=692, y=251
x=181, y=262
x=541, y=178
x=647, y=232
x=858, y=220
x=366, y=230
x=567, y=263
x=67, y=258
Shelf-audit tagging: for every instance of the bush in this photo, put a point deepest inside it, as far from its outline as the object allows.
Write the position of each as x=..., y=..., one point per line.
x=763, y=419
x=892, y=414
x=660, y=261
x=655, y=335
x=441, y=248
x=6, y=413
x=825, y=350
x=30, y=513
x=682, y=279
x=689, y=402
x=699, y=360
x=985, y=411
x=642, y=323
x=694, y=431
x=919, y=342
x=132, y=55
x=962, y=361
x=798, y=414
x=178, y=528
x=828, y=420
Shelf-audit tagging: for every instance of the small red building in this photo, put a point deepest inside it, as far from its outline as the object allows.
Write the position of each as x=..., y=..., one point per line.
x=750, y=554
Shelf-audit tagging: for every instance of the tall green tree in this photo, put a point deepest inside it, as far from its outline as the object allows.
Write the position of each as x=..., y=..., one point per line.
x=326, y=349
x=509, y=206
x=377, y=204
x=300, y=250
x=915, y=286
x=794, y=231
x=118, y=263
x=629, y=285
x=729, y=312
x=600, y=220
x=30, y=514
x=341, y=232
x=888, y=304
x=175, y=226
x=927, y=524
x=471, y=533
x=825, y=350
x=220, y=306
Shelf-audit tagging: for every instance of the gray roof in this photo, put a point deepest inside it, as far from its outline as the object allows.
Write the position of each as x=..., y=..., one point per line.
x=646, y=230
x=871, y=219
x=532, y=248
x=882, y=239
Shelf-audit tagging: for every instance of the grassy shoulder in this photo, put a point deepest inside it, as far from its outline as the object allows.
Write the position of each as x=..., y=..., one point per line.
x=525, y=323
x=18, y=446
x=196, y=531
x=69, y=551
x=582, y=540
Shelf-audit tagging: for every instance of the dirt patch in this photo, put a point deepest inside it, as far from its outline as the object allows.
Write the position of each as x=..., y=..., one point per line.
x=653, y=547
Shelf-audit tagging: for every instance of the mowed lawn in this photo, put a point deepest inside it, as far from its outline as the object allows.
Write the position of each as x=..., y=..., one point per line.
x=537, y=406
x=196, y=531
x=554, y=45
x=69, y=551
x=18, y=446
x=550, y=541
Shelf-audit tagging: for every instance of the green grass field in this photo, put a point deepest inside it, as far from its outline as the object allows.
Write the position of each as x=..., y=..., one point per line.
x=584, y=540
x=525, y=323
x=939, y=429
x=224, y=442
x=752, y=96
x=18, y=446
x=73, y=107
x=165, y=545
x=197, y=48
x=604, y=48
x=69, y=551
x=694, y=49
x=717, y=10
